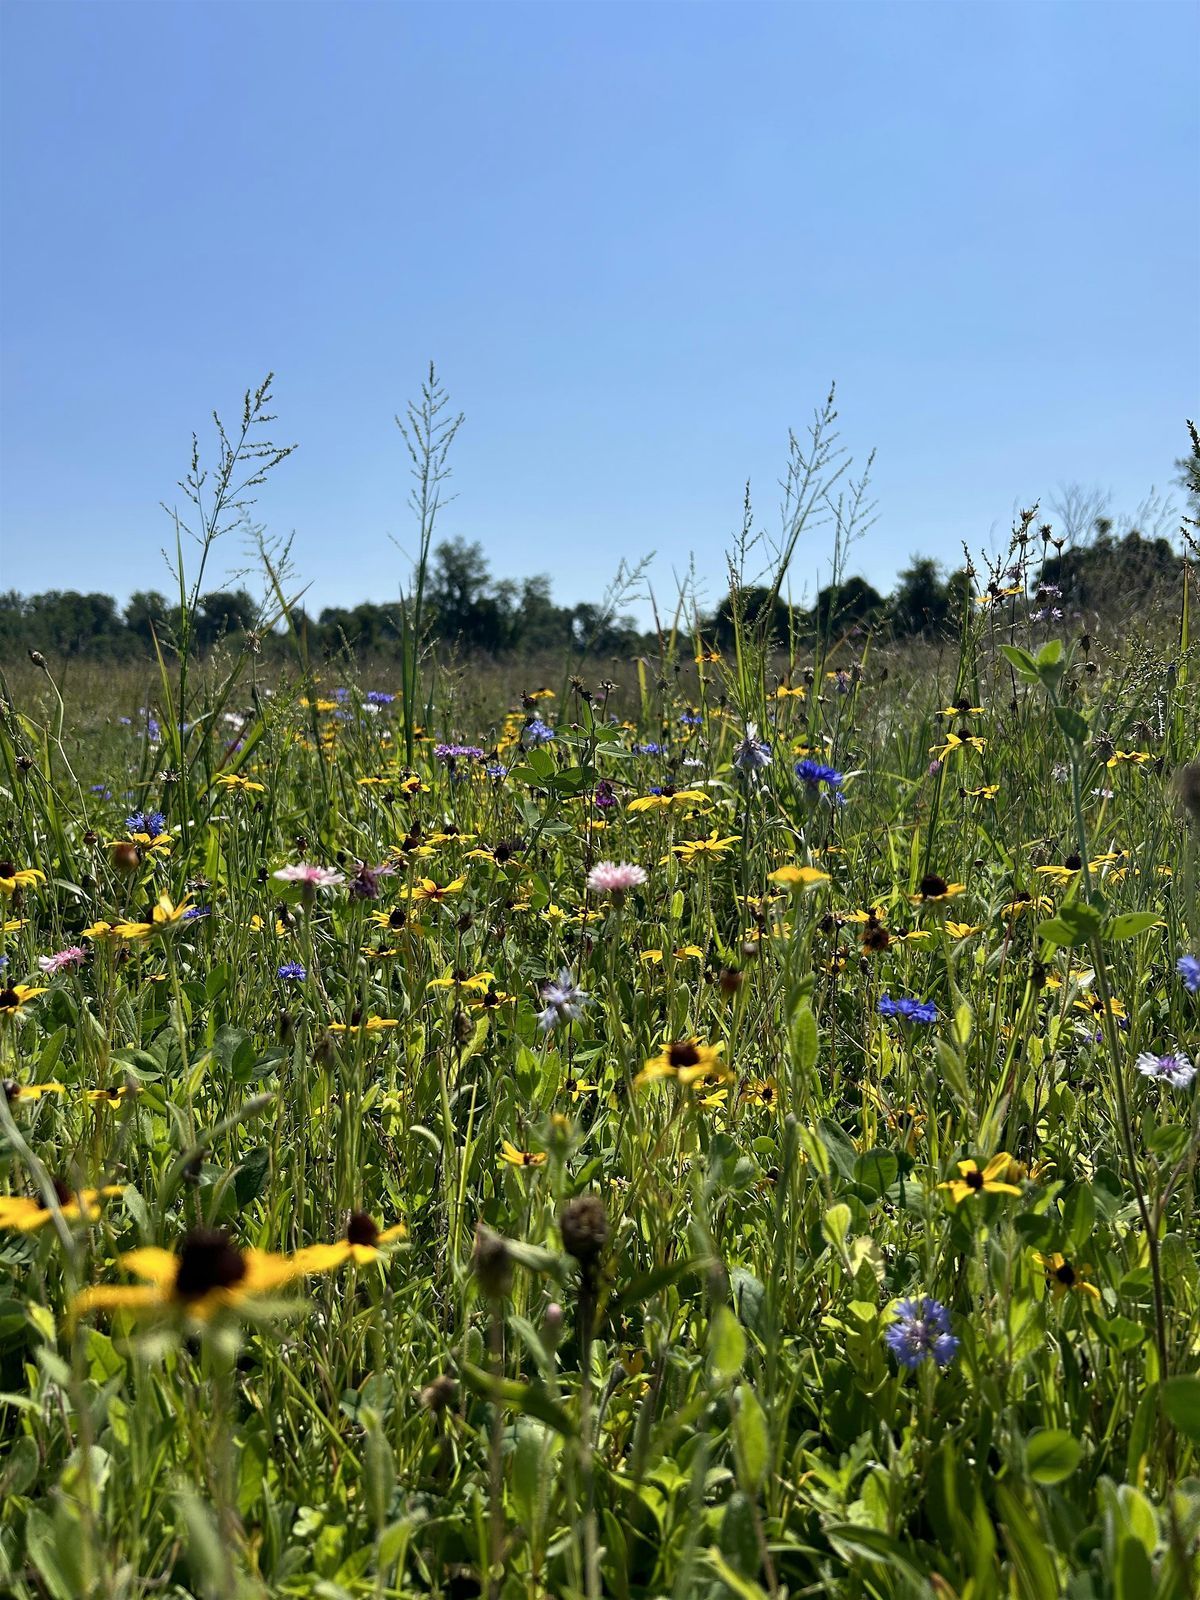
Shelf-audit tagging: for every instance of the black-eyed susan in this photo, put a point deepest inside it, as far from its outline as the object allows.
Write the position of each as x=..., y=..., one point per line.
x=985, y=791
x=358, y=1024
x=516, y=1157
x=16, y=996
x=667, y=799
x=798, y=878
x=685, y=952
x=963, y=739
x=962, y=930
x=934, y=890
x=22, y=1214
x=15, y=1092
x=975, y=1180
x=208, y=1274
x=686, y=1060
x=13, y=878
x=710, y=849
x=427, y=892
x=234, y=780
x=1064, y=1278
x=762, y=1092
x=112, y=1096
x=363, y=1242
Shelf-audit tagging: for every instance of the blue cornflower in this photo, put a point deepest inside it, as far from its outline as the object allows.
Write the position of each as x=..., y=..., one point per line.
x=497, y=770
x=151, y=822
x=649, y=749
x=691, y=719
x=292, y=970
x=449, y=753
x=814, y=773
x=753, y=753
x=564, y=999
x=341, y=694
x=909, y=1010
x=536, y=732
x=102, y=790
x=379, y=697
x=921, y=1329
x=195, y=912
x=1188, y=968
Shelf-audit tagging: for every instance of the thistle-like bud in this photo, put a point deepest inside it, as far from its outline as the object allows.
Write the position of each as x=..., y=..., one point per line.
x=125, y=858
x=492, y=1263
x=583, y=1224
x=1187, y=787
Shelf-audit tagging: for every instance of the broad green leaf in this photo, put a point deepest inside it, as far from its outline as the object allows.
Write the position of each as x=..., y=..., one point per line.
x=1130, y=923
x=1052, y=1454
x=753, y=1439
x=726, y=1346
x=1181, y=1402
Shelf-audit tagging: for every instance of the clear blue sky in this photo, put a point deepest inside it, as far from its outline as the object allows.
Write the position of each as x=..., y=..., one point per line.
x=638, y=239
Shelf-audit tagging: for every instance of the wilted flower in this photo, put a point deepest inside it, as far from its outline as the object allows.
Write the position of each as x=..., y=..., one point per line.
x=753, y=753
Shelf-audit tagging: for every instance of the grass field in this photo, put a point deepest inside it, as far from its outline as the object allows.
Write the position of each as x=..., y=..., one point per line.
x=400, y=1201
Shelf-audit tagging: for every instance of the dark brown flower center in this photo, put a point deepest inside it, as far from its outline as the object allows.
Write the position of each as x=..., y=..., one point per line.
x=1065, y=1274
x=8, y=999
x=974, y=1179
x=208, y=1259
x=932, y=886
x=362, y=1229
x=875, y=936
x=1073, y=863
x=684, y=1054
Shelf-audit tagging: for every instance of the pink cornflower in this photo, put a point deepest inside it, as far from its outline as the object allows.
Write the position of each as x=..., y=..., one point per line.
x=73, y=956
x=615, y=877
x=310, y=878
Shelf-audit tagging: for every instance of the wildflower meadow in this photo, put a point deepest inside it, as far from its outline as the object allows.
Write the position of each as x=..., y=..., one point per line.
x=715, y=1124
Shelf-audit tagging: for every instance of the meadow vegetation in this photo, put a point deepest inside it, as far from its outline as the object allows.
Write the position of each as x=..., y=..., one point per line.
x=714, y=1123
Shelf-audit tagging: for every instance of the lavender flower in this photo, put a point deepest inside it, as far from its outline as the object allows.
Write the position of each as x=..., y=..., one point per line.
x=1174, y=1069
x=564, y=999
x=364, y=885
x=650, y=748
x=450, y=753
x=379, y=697
x=921, y=1330
x=292, y=972
x=536, y=732
x=1188, y=968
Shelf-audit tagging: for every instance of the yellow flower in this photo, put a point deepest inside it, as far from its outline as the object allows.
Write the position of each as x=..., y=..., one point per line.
x=698, y=849
x=961, y=930
x=478, y=983
x=961, y=711
x=785, y=691
x=208, y=1275
x=1136, y=758
x=761, y=1092
x=1062, y=1278
x=14, y=1091
x=99, y=930
x=988, y=1180
x=792, y=877
x=110, y=1096
x=521, y=1158
x=707, y=656
x=373, y=1024
x=25, y=1215
x=160, y=844
x=1060, y=875
x=988, y=791
x=167, y=915
x=361, y=1244
x=687, y=1060
x=14, y=878
x=427, y=889
x=956, y=741
x=931, y=890
x=1000, y=594
x=234, y=780
x=16, y=996
x=662, y=802
x=691, y=952
x=1027, y=902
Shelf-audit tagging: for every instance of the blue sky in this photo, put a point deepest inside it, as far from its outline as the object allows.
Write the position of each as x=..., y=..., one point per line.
x=639, y=241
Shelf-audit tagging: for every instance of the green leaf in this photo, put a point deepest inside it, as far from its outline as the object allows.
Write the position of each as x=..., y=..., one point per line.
x=648, y=1284
x=1181, y=1402
x=1021, y=662
x=726, y=1347
x=1071, y=724
x=738, y=1538
x=1131, y=923
x=251, y=1176
x=805, y=1040
x=1037, y=1576
x=1075, y=924
x=529, y=1399
x=1052, y=1454
x=753, y=1439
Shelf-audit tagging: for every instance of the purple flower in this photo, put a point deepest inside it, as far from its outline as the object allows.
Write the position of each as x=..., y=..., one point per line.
x=1174, y=1069
x=649, y=749
x=292, y=971
x=921, y=1330
x=536, y=732
x=379, y=697
x=907, y=1009
x=1188, y=968
x=196, y=912
x=364, y=885
x=450, y=753
x=151, y=822
x=605, y=796
x=497, y=770
x=690, y=719
x=73, y=956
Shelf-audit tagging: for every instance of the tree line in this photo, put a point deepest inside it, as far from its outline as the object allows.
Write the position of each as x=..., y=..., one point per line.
x=474, y=611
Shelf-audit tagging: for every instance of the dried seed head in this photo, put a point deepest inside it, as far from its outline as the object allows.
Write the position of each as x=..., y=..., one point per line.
x=1187, y=787
x=583, y=1224
x=439, y=1394
x=125, y=858
x=492, y=1263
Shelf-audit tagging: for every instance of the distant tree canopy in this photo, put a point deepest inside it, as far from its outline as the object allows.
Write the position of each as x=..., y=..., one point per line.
x=468, y=609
